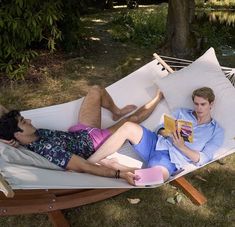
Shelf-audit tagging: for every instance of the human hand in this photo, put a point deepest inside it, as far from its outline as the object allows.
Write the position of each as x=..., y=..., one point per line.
x=178, y=140
x=13, y=143
x=129, y=177
x=165, y=133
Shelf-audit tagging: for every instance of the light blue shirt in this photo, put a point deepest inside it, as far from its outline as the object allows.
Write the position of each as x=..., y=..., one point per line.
x=207, y=139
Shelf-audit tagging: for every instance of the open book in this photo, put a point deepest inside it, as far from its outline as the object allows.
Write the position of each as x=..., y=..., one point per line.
x=149, y=176
x=184, y=127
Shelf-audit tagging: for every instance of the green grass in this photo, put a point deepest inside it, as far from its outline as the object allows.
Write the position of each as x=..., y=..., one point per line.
x=216, y=3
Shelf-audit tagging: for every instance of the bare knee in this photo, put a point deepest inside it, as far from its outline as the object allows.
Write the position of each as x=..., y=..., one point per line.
x=95, y=90
x=132, y=131
x=165, y=173
x=95, y=93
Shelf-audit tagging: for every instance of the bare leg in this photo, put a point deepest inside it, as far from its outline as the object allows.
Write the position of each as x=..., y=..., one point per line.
x=141, y=114
x=129, y=131
x=90, y=111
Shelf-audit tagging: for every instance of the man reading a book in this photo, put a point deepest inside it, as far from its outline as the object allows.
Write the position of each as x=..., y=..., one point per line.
x=168, y=149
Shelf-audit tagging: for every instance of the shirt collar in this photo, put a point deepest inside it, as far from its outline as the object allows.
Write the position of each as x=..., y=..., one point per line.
x=213, y=122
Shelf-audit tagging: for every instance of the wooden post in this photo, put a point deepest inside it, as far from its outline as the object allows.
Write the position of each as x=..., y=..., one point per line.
x=163, y=63
x=196, y=197
x=6, y=188
x=58, y=219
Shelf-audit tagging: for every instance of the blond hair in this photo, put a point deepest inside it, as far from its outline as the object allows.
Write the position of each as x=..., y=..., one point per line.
x=204, y=92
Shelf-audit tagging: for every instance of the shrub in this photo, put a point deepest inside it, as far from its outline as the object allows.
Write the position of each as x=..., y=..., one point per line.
x=24, y=23
x=142, y=27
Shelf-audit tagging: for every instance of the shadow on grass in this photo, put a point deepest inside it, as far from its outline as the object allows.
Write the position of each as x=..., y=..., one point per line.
x=153, y=210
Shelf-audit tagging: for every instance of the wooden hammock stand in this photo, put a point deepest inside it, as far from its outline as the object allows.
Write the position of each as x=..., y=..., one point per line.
x=52, y=202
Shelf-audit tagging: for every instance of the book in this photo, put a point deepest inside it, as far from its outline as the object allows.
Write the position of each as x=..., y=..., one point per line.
x=149, y=176
x=184, y=127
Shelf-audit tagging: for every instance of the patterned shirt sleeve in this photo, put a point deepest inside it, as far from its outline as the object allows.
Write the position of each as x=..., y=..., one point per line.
x=54, y=154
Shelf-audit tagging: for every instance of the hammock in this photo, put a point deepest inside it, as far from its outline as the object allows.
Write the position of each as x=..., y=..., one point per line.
x=55, y=189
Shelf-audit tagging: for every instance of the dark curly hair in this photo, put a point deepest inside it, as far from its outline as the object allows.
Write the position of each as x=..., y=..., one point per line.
x=9, y=125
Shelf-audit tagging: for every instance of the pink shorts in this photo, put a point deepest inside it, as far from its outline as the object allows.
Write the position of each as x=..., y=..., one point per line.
x=97, y=135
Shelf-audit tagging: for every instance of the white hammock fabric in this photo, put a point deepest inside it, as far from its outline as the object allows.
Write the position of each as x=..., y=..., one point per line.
x=137, y=88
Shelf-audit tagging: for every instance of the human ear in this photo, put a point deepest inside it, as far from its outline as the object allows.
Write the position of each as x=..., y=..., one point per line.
x=211, y=104
x=17, y=135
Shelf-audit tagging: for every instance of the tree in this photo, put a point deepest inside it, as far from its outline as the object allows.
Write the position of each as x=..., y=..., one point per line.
x=180, y=16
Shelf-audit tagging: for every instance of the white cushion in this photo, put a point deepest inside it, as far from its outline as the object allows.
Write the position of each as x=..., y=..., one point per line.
x=205, y=71
x=26, y=157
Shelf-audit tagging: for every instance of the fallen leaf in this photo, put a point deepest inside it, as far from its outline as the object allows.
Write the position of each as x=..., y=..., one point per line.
x=200, y=178
x=233, y=192
x=171, y=200
x=178, y=198
x=133, y=201
x=173, y=187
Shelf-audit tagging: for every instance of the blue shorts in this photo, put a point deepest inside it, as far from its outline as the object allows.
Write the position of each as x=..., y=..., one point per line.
x=146, y=149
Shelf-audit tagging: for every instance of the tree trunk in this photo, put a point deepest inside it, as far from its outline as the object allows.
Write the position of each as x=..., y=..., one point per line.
x=180, y=15
x=109, y=4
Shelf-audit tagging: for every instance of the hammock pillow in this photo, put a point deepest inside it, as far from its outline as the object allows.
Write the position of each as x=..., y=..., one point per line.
x=205, y=71
x=22, y=156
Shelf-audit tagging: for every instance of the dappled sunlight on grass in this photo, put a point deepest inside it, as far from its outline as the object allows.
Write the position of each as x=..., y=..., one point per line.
x=115, y=211
x=99, y=21
x=94, y=38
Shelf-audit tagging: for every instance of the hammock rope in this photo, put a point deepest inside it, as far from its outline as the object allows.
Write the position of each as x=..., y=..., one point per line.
x=179, y=63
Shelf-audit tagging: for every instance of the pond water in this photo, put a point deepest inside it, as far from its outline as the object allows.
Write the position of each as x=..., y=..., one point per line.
x=221, y=20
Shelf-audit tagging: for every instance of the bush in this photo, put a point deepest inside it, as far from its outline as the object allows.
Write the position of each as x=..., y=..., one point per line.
x=142, y=27
x=23, y=23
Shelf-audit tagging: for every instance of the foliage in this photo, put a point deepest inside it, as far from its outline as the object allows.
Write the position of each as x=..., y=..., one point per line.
x=215, y=3
x=22, y=24
x=213, y=33
x=142, y=27
x=70, y=25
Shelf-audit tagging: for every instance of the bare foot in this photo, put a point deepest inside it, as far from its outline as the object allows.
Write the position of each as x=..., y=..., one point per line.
x=122, y=112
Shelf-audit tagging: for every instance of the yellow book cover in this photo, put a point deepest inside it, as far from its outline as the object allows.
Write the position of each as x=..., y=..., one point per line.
x=184, y=127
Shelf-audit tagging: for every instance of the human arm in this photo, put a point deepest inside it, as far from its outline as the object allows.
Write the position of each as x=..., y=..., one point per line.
x=178, y=141
x=79, y=164
x=13, y=143
x=207, y=153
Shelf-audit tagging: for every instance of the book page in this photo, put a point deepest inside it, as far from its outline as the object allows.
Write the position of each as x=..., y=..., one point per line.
x=149, y=176
x=169, y=124
x=186, y=130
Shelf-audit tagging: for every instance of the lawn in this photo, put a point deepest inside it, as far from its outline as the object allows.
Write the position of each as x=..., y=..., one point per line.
x=58, y=78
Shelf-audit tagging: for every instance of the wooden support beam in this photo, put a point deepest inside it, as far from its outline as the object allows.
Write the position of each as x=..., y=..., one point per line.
x=6, y=188
x=57, y=219
x=195, y=196
x=163, y=63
